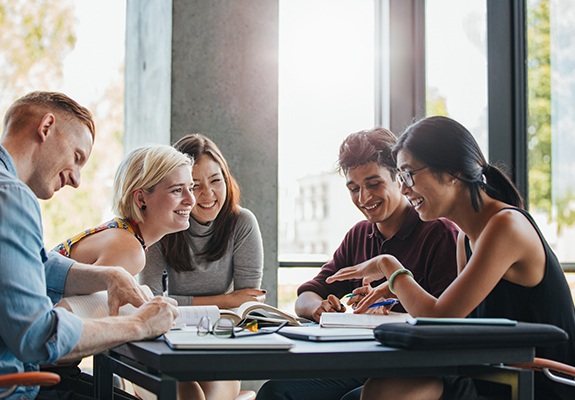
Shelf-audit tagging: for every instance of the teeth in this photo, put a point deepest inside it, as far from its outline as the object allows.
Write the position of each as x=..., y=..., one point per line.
x=183, y=212
x=208, y=205
x=369, y=208
x=416, y=202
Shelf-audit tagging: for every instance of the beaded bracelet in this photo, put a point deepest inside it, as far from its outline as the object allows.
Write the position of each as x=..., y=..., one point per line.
x=394, y=275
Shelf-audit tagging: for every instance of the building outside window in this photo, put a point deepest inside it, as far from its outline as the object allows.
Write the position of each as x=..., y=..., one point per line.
x=326, y=91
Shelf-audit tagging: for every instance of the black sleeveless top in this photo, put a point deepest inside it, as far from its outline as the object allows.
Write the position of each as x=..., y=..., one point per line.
x=549, y=302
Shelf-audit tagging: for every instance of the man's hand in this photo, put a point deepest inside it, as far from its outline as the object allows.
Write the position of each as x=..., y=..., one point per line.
x=152, y=319
x=123, y=289
x=331, y=304
x=157, y=316
x=358, y=294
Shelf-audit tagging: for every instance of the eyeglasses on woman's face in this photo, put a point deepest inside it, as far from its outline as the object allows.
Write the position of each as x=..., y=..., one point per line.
x=226, y=328
x=406, y=176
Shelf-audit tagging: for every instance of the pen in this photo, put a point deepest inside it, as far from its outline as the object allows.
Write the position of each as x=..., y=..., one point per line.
x=387, y=302
x=165, y=283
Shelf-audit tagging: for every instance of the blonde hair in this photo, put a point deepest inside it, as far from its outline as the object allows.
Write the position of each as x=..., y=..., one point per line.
x=143, y=168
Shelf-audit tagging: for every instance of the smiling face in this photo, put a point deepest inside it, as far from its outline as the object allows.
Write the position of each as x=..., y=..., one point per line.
x=169, y=205
x=432, y=195
x=64, y=151
x=209, y=188
x=374, y=192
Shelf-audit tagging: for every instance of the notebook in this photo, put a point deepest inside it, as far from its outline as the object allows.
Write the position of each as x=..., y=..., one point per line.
x=350, y=320
x=189, y=340
x=318, y=334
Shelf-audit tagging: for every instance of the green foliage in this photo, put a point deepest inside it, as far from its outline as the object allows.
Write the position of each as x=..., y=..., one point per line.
x=36, y=38
x=539, y=109
x=566, y=210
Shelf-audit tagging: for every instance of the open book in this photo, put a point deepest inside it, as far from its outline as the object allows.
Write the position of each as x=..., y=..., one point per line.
x=95, y=305
x=262, y=312
x=350, y=320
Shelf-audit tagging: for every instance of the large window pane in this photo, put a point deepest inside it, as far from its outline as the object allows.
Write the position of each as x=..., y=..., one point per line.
x=551, y=122
x=456, y=63
x=326, y=86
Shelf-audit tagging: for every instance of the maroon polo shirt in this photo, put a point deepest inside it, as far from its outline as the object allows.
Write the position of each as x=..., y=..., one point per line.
x=425, y=248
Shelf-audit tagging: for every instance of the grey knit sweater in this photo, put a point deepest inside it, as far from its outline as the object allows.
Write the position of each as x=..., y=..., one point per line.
x=241, y=267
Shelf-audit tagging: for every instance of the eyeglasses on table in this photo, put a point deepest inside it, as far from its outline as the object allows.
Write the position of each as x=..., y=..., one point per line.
x=225, y=328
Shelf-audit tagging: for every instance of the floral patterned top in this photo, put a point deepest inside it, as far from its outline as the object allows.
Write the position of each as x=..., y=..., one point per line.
x=131, y=226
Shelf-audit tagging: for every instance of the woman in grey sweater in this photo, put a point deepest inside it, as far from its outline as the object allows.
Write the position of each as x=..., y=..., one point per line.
x=219, y=259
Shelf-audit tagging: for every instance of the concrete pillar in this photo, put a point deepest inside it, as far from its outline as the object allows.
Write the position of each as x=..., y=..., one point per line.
x=211, y=67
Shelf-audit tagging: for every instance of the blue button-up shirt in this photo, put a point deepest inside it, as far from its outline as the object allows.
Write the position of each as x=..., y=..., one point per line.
x=32, y=331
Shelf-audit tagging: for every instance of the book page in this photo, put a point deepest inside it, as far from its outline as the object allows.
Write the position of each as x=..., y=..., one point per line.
x=342, y=320
x=95, y=305
x=231, y=314
x=269, y=313
x=191, y=315
x=263, y=309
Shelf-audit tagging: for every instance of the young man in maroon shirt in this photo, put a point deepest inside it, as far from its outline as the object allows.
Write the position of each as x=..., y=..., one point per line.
x=391, y=227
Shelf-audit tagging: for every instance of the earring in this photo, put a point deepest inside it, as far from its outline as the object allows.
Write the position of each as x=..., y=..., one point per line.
x=453, y=181
x=143, y=208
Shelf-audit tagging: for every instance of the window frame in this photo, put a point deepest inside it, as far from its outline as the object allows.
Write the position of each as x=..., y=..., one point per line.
x=507, y=78
x=400, y=37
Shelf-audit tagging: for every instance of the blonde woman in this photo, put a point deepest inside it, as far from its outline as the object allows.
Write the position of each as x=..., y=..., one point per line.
x=153, y=196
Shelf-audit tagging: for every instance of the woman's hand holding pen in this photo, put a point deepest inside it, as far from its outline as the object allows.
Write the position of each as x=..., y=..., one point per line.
x=377, y=294
x=367, y=299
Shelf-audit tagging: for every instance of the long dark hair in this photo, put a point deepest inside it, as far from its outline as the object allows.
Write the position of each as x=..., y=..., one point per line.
x=175, y=246
x=444, y=145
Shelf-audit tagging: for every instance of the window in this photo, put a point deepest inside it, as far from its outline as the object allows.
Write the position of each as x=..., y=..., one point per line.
x=326, y=91
x=456, y=63
x=551, y=122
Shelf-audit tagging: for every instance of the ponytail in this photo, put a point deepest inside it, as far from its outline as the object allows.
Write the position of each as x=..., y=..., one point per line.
x=498, y=186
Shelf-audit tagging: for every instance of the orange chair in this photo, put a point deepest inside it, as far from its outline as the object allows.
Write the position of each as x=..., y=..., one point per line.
x=12, y=381
x=554, y=370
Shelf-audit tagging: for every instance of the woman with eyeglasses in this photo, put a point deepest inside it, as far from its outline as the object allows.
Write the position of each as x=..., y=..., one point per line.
x=506, y=268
